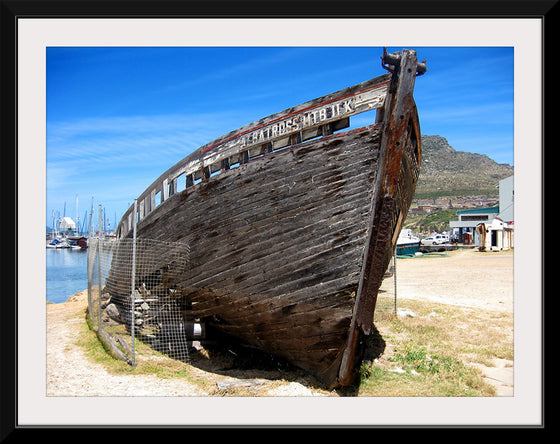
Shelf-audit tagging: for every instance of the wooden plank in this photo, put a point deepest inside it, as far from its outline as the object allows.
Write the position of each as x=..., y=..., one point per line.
x=392, y=197
x=214, y=242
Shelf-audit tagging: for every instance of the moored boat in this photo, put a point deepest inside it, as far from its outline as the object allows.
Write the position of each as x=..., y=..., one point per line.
x=407, y=243
x=58, y=243
x=77, y=241
x=290, y=222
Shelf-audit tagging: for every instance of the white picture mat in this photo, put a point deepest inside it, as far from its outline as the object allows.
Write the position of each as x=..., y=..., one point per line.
x=35, y=408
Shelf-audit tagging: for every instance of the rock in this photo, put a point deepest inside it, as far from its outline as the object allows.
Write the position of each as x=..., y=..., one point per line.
x=105, y=303
x=232, y=383
x=113, y=312
x=291, y=389
x=405, y=312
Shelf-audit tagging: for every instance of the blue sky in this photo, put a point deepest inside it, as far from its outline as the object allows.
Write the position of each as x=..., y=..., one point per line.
x=118, y=117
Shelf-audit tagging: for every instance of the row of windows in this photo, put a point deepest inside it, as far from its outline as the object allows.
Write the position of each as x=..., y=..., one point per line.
x=184, y=181
x=475, y=217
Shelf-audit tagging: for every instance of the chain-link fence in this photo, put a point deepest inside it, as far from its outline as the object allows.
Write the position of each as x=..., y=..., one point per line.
x=132, y=296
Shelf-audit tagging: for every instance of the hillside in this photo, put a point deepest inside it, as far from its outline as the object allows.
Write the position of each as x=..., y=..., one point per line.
x=447, y=172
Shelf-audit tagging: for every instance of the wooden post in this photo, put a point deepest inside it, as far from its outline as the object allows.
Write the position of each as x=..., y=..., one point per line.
x=399, y=107
x=132, y=279
x=99, y=284
x=395, y=276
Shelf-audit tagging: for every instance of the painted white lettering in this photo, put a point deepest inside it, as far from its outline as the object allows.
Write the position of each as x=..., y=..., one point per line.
x=310, y=118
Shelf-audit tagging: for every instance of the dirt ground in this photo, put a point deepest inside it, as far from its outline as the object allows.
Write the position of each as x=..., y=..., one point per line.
x=490, y=287
x=489, y=276
x=71, y=373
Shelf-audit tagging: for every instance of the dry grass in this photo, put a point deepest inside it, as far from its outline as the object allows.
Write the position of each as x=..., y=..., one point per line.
x=430, y=354
x=439, y=352
x=434, y=353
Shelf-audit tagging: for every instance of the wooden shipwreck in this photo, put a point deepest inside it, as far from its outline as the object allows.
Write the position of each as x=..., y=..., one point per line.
x=291, y=225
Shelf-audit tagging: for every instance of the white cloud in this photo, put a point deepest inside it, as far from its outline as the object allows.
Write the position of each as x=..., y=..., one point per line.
x=115, y=159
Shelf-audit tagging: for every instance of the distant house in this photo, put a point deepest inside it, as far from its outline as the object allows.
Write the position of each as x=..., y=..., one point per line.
x=488, y=228
x=495, y=236
x=464, y=229
x=499, y=234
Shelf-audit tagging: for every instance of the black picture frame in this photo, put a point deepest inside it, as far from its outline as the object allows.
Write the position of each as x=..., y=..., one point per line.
x=12, y=11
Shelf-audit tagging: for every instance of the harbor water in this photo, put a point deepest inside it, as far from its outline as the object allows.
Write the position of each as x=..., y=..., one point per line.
x=66, y=273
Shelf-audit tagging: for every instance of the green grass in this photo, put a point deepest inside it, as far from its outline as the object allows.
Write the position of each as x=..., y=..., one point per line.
x=429, y=222
x=431, y=354
x=148, y=360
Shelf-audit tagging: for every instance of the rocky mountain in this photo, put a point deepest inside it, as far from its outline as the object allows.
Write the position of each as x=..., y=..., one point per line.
x=447, y=172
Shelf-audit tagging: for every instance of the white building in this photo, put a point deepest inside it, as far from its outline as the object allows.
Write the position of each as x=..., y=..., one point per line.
x=488, y=228
x=465, y=228
x=66, y=226
x=506, y=200
x=495, y=236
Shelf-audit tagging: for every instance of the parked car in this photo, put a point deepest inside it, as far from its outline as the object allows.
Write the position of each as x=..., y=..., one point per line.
x=434, y=240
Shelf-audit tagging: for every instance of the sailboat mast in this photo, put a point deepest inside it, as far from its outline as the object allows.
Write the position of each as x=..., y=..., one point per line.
x=90, y=218
x=77, y=217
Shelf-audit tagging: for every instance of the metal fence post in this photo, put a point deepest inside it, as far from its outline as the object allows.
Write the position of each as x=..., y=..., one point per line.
x=395, y=275
x=90, y=263
x=99, y=284
x=132, y=279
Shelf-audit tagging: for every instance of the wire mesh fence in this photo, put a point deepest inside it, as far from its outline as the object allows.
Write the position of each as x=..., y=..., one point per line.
x=132, y=296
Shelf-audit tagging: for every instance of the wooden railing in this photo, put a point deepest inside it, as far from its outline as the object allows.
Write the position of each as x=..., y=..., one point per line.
x=312, y=119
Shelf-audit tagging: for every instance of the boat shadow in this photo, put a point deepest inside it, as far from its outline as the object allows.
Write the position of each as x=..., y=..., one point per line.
x=226, y=357
x=374, y=347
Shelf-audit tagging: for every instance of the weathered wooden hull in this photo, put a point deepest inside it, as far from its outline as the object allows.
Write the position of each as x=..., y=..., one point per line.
x=287, y=251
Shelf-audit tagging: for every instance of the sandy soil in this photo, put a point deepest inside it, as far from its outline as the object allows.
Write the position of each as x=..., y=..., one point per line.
x=467, y=277
x=71, y=373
